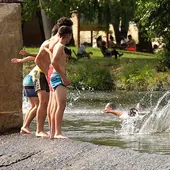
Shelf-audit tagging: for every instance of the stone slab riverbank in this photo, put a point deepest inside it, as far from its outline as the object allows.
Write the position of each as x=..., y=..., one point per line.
x=22, y=152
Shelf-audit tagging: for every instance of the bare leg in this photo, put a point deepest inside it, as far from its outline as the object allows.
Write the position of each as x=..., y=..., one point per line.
x=60, y=94
x=42, y=113
x=52, y=112
x=30, y=115
x=49, y=110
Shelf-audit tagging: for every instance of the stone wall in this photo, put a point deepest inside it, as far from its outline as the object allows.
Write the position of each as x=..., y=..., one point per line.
x=10, y=74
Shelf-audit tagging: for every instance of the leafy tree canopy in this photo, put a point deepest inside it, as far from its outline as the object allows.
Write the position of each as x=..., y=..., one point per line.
x=154, y=16
x=106, y=11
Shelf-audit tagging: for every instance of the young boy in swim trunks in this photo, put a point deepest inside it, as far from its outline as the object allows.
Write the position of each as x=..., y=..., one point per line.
x=59, y=80
x=29, y=92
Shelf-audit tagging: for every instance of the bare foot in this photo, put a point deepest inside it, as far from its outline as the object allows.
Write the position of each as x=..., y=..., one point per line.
x=42, y=134
x=25, y=131
x=60, y=137
x=51, y=136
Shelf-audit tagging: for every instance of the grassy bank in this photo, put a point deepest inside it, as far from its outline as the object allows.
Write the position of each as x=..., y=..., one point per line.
x=133, y=71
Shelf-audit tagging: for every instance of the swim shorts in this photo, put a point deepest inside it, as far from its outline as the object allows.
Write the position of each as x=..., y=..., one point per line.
x=29, y=91
x=28, y=87
x=55, y=80
x=28, y=81
x=40, y=81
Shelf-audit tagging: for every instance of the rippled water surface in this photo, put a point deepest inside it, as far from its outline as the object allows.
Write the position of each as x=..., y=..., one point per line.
x=84, y=120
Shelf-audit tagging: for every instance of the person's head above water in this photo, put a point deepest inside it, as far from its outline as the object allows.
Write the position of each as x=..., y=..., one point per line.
x=133, y=112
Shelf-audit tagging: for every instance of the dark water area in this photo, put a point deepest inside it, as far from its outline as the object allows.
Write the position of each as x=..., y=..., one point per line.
x=84, y=120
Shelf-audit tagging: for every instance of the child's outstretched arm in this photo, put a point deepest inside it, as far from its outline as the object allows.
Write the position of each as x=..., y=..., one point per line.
x=22, y=60
x=26, y=54
x=109, y=109
x=115, y=112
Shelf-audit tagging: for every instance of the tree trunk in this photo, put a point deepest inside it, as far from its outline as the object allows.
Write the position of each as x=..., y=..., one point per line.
x=117, y=32
x=38, y=13
x=144, y=45
x=47, y=23
x=124, y=28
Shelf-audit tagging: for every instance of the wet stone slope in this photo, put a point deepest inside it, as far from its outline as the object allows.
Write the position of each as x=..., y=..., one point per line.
x=19, y=152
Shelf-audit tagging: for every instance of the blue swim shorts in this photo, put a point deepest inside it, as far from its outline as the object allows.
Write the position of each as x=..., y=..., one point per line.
x=29, y=91
x=55, y=80
x=28, y=87
x=28, y=81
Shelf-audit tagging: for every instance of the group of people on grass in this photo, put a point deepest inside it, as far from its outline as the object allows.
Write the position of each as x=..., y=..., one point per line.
x=126, y=44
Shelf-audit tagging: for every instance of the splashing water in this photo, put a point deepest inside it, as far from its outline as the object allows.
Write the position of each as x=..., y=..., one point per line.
x=163, y=99
x=146, y=96
x=73, y=97
x=128, y=126
x=157, y=120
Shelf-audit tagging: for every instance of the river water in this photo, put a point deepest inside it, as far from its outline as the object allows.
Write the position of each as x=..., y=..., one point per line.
x=84, y=120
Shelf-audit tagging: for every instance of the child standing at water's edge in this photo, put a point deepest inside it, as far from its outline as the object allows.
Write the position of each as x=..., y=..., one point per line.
x=30, y=94
x=59, y=80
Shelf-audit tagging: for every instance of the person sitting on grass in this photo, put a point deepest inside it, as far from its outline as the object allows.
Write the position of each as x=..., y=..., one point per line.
x=131, y=44
x=82, y=51
x=108, y=53
x=111, y=42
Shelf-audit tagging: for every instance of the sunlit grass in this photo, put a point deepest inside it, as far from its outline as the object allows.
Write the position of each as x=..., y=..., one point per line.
x=132, y=64
x=133, y=58
x=97, y=53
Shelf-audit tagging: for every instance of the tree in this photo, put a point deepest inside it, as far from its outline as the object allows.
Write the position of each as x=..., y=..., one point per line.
x=47, y=22
x=122, y=12
x=154, y=17
x=117, y=12
x=29, y=9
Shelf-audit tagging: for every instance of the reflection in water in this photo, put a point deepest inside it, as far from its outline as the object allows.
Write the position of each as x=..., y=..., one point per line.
x=85, y=121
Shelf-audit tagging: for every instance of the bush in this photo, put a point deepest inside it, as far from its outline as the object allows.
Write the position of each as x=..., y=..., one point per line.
x=142, y=78
x=165, y=58
x=90, y=76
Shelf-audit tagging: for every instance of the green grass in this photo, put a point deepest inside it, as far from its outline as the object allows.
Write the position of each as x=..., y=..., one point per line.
x=135, y=57
x=132, y=71
x=97, y=54
x=31, y=50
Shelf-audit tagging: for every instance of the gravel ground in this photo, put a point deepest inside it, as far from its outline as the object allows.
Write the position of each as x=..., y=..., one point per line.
x=19, y=152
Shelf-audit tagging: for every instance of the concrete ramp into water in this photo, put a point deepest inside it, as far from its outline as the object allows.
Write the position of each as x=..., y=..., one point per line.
x=28, y=152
